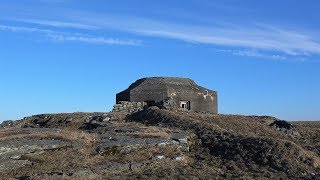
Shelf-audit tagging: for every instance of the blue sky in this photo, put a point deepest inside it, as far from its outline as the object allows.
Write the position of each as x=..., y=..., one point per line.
x=66, y=55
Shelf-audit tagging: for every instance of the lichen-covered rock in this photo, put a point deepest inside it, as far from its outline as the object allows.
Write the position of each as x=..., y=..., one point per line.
x=12, y=151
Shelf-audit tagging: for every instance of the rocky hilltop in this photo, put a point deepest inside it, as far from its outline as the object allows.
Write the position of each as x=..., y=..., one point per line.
x=158, y=144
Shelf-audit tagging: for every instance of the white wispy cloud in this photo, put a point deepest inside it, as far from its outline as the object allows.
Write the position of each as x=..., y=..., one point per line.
x=71, y=37
x=94, y=40
x=262, y=38
x=254, y=36
x=258, y=37
x=255, y=53
x=58, y=24
x=23, y=29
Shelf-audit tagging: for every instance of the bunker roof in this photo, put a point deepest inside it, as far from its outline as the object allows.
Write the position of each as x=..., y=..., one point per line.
x=169, y=83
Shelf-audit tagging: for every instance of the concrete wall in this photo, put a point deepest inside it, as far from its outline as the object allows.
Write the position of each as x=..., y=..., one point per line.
x=199, y=102
x=123, y=96
x=157, y=94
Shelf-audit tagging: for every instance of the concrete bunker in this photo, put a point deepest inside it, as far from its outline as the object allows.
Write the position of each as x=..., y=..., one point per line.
x=171, y=93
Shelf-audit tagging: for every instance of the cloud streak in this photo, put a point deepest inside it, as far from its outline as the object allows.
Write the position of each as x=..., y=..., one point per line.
x=71, y=37
x=253, y=53
x=255, y=36
x=59, y=24
x=261, y=38
x=94, y=40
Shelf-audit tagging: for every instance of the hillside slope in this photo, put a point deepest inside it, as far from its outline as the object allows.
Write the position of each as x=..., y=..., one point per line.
x=156, y=143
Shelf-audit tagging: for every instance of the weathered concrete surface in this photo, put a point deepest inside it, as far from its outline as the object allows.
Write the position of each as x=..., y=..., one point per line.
x=161, y=89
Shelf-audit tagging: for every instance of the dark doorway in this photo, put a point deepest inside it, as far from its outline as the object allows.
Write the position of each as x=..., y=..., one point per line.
x=185, y=105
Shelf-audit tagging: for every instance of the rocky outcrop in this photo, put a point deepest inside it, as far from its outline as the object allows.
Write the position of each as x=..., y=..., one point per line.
x=117, y=143
x=12, y=151
x=277, y=152
x=87, y=143
x=285, y=127
x=155, y=143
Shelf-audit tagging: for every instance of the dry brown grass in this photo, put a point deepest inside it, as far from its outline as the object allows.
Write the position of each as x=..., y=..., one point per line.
x=86, y=138
x=10, y=133
x=309, y=124
x=291, y=149
x=57, y=160
x=153, y=132
x=137, y=155
x=145, y=131
x=217, y=133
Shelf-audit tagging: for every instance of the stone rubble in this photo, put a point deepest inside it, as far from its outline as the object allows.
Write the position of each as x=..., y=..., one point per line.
x=130, y=107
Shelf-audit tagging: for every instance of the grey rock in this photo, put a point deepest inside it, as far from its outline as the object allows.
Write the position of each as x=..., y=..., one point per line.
x=106, y=119
x=12, y=150
x=9, y=165
x=114, y=166
x=122, y=141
